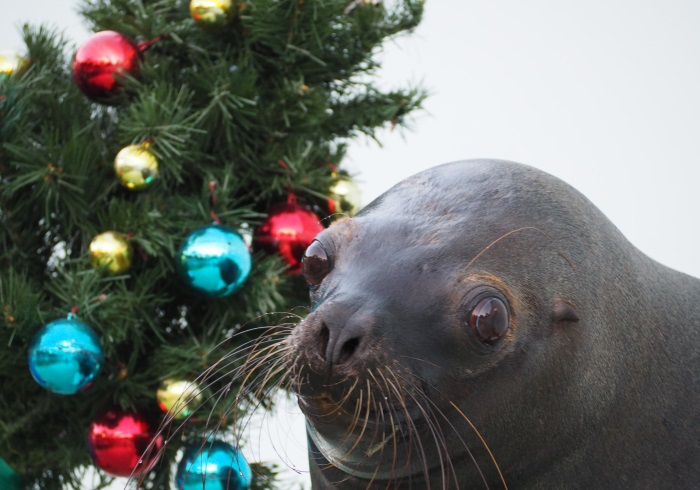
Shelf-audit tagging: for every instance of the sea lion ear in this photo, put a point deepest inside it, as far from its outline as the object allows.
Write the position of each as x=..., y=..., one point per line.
x=564, y=312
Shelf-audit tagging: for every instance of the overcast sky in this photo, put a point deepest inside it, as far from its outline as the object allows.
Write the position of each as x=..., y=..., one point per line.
x=602, y=93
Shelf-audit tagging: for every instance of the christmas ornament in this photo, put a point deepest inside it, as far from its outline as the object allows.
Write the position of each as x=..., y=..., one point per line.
x=65, y=356
x=136, y=166
x=9, y=480
x=111, y=250
x=100, y=63
x=211, y=13
x=178, y=397
x=11, y=63
x=288, y=230
x=214, y=260
x=123, y=443
x=215, y=465
x=344, y=197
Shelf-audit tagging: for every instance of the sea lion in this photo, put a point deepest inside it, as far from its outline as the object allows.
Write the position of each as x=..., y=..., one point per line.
x=483, y=325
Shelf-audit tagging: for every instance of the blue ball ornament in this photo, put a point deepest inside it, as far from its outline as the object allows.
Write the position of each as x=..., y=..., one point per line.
x=65, y=356
x=214, y=260
x=216, y=465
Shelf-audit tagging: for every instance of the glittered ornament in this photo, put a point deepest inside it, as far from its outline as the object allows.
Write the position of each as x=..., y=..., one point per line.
x=10, y=63
x=214, y=260
x=101, y=62
x=288, y=230
x=179, y=398
x=214, y=465
x=65, y=356
x=136, y=166
x=344, y=197
x=111, y=250
x=123, y=443
x=211, y=13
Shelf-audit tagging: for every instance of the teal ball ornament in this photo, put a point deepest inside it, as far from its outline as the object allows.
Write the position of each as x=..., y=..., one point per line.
x=65, y=356
x=216, y=465
x=9, y=480
x=214, y=260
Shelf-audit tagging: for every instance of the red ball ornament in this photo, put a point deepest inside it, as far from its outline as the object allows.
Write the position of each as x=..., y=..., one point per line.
x=100, y=63
x=288, y=230
x=123, y=443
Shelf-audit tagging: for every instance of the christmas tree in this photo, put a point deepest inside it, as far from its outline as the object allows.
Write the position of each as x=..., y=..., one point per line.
x=132, y=175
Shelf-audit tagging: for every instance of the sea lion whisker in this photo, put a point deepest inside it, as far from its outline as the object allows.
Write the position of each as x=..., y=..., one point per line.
x=243, y=330
x=251, y=346
x=478, y=434
x=364, y=425
x=390, y=411
x=271, y=373
x=411, y=429
x=432, y=407
x=381, y=449
x=421, y=455
x=249, y=369
x=260, y=399
x=502, y=237
x=344, y=456
x=438, y=437
x=345, y=399
x=420, y=360
x=486, y=446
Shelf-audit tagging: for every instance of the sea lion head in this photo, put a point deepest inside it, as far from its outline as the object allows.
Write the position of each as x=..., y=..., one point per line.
x=447, y=321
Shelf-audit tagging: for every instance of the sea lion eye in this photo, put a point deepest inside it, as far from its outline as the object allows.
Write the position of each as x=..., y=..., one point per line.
x=315, y=264
x=489, y=320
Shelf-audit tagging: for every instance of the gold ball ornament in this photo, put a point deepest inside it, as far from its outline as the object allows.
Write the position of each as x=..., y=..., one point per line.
x=178, y=398
x=11, y=63
x=111, y=250
x=136, y=166
x=344, y=197
x=211, y=13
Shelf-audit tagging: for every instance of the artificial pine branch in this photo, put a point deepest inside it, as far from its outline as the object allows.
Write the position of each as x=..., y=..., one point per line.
x=249, y=112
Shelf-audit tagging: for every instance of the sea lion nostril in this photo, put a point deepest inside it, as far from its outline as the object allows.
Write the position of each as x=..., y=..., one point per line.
x=347, y=350
x=325, y=335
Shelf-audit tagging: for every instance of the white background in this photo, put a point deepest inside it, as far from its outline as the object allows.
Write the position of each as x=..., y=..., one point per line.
x=602, y=93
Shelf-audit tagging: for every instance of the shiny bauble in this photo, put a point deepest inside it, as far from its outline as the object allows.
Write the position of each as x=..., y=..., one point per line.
x=124, y=443
x=211, y=14
x=288, y=231
x=214, y=260
x=179, y=398
x=136, y=167
x=344, y=197
x=65, y=356
x=111, y=251
x=214, y=465
x=11, y=63
x=101, y=62
x=9, y=480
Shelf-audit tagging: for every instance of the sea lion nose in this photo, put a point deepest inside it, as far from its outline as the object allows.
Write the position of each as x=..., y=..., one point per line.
x=340, y=351
x=341, y=339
